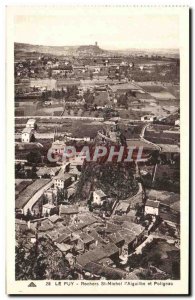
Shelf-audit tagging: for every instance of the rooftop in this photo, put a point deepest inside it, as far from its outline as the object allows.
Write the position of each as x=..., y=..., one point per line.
x=54, y=218
x=116, y=238
x=123, y=206
x=105, y=271
x=63, y=247
x=68, y=209
x=93, y=255
x=153, y=203
x=85, y=238
x=100, y=193
x=27, y=130
x=124, y=86
x=46, y=225
x=63, y=176
x=31, y=121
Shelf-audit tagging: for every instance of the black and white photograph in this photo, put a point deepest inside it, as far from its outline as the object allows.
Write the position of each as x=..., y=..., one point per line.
x=98, y=133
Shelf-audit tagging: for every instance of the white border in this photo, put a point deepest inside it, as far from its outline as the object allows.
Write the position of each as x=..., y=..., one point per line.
x=185, y=137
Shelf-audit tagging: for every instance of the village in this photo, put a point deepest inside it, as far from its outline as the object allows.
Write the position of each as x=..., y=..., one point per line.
x=97, y=220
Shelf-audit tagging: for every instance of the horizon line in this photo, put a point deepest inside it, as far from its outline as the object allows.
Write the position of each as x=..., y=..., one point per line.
x=111, y=49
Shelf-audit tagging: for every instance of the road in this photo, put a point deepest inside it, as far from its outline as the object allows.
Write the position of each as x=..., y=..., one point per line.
x=36, y=197
x=40, y=192
x=61, y=117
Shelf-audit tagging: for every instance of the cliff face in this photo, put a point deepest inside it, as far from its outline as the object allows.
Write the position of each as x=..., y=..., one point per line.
x=116, y=180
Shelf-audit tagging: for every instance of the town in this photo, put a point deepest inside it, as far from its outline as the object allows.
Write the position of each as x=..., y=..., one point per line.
x=81, y=219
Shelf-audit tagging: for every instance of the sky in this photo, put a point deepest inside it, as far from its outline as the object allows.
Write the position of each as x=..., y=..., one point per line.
x=112, y=29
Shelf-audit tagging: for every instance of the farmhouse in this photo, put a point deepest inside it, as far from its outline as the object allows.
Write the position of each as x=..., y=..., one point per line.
x=98, y=197
x=31, y=123
x=62, y=181
x=152, y=207
x=27, y=134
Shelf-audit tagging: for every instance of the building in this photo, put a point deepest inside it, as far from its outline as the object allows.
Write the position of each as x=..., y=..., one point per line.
x=31, y=123
x=50, y=194
x=62, y=181
x=177, y=122
x=46, y=209
x=99, y=196
x=27, y=134
x=152, y=207
x=122, y=208
x=71, y=210
x=47, y=172
x=58, y=147
x=148, y=118
x=84, y=242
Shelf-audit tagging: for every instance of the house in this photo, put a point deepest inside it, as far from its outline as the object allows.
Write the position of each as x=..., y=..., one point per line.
x=111, y=251
x=118, y=240
x=62, y=181
x=108, y=251
x=71, y=192
x=55, y=218
x=148, y=118
x=46, y=209
x=50, y=194
x=47, y=172
x=99, y=196
x=96, y=270
x=77, y=160
x=52, y=235
x=64, y=248
x=21, y=225
x=45, y=225
x=71, y=210
x=31, y=123
x=58, y=147
x=122, y=208
x=27, y=134
x=63, y=237
x=152, y=207
x=85, y=240
x=75, y=173
x=129, y=244
x=177, y=122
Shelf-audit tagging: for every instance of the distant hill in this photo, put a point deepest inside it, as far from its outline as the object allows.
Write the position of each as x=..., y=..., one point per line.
x=174, y=53
x=59, y=50
x=90, y=50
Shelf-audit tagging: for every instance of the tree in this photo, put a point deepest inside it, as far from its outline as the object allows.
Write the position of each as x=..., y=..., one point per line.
x=50, y=73
x=40, y=262
x=34, y=157
x=91, y=75
x=28, y=214
x=33, y=172
x=45, y=199
x=62, y=195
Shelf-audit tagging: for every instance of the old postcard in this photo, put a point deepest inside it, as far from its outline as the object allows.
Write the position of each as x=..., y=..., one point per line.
x=97, y=150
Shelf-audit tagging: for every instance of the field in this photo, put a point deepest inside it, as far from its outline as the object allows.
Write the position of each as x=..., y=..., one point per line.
x=163, y=196
x=162, y=135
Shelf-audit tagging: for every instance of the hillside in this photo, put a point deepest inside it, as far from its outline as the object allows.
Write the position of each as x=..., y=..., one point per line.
x=116, y=180
x=58, y=50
